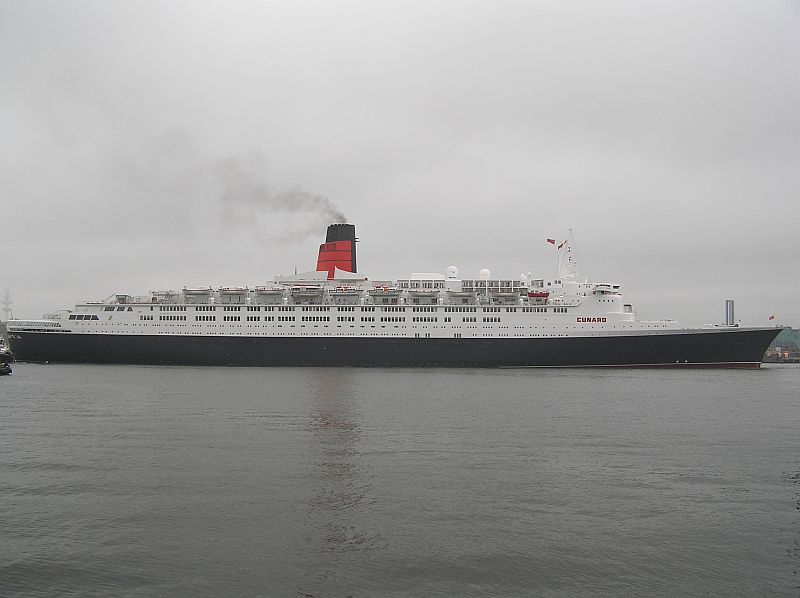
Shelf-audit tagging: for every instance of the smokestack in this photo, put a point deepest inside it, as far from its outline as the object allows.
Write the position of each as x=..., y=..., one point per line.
x=729, y=319
x=339, y=250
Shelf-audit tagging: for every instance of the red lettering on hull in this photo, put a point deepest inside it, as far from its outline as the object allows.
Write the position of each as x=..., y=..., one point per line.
x=591, y=320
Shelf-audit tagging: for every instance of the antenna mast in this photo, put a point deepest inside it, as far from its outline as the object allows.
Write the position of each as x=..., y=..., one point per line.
x=6, y=303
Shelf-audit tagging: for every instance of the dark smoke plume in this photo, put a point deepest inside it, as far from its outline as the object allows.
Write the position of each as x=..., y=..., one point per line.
x=247, y=197
x=173, y=173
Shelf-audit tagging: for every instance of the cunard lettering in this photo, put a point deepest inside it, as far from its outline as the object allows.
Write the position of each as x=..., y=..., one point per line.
x=590, y=320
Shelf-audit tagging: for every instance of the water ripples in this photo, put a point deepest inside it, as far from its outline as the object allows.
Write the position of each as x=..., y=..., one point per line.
x=329, y=483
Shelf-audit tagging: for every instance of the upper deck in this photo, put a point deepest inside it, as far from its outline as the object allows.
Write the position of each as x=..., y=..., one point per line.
x=414, y=307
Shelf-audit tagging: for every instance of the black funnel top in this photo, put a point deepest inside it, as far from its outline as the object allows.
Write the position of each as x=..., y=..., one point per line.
x=341, y=232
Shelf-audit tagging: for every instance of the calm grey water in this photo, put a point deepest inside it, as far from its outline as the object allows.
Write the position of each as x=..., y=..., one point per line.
x=159, y=481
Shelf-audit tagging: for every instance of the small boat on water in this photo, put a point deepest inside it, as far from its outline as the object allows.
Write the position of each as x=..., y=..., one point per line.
x=6, y=356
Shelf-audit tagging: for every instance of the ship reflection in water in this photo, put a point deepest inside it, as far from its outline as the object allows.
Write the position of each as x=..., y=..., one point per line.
x=343, y=497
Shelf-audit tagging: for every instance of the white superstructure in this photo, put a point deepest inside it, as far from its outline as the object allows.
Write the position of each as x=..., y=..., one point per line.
x=427, y=305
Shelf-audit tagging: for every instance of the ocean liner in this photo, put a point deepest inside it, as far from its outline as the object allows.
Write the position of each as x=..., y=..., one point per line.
x=333, y=316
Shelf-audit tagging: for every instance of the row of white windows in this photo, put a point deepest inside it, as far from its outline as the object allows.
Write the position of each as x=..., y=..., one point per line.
x=363, y=308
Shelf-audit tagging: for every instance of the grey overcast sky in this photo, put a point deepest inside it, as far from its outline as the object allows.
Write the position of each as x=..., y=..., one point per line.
x=150, y=145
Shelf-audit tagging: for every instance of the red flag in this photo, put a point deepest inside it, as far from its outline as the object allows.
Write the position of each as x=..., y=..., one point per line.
x=551, y=241
x=562, y=245
x=772, y=317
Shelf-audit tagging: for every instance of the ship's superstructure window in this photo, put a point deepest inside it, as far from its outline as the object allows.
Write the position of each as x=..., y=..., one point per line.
x=35, y=326
x=253, y=308
x=345, y=319
x=205, y=318
x=232, y=308
x=285, y=318
x=491, y=319
x=83, y=317
x=424, y=319
x=109, y=308
x=253, y=318
x=172, y=318
x=316, y=319
x=367, y=318
x=419, y=283
x=423, y=309
x=205, y=308
x=169, y=308
x=393, y=319
x=121, y=308
x=460, y=309
x=286, y=308
x=468, y=319
x=231, y=318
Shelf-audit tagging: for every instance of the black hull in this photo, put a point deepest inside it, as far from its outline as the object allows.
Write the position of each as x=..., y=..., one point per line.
x=714, y=348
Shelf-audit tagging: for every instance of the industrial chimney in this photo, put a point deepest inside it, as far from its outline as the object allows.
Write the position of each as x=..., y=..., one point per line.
x=729, y=319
